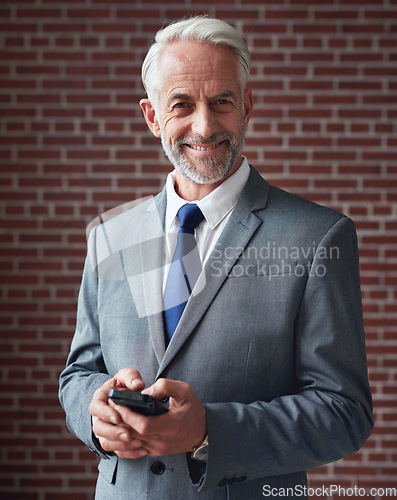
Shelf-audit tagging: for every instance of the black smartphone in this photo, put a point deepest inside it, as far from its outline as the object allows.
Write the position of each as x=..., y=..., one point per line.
x=141, y=403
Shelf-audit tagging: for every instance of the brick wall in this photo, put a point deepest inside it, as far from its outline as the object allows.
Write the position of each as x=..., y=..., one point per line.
x=74, y=144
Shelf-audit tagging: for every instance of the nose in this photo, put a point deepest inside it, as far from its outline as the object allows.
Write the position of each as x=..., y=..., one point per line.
x=204, y=122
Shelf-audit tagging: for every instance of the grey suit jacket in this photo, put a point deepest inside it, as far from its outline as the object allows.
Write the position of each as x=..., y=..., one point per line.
x=273, y=346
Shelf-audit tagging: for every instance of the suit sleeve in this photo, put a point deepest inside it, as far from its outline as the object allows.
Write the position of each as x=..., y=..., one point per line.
x=85, y=371
x=329, y=415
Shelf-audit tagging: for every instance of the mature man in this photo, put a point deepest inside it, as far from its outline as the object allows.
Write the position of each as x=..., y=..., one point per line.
x=261, y=355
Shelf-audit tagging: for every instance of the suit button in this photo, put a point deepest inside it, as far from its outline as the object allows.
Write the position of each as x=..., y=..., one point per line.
x=157, y=468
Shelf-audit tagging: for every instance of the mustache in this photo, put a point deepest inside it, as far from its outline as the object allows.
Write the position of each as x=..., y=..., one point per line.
x=198, y=139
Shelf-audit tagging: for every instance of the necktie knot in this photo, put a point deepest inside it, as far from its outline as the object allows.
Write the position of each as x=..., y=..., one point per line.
x=190, y=217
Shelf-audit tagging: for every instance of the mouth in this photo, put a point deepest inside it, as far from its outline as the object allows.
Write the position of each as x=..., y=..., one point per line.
x=197, y=147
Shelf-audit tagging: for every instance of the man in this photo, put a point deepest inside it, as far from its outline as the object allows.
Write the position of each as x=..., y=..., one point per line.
x=264, y=367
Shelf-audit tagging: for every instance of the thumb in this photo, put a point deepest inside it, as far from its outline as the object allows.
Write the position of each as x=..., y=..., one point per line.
x=175, y=389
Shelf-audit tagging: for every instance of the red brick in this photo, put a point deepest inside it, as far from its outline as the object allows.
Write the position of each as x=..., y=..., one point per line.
x=312, y=56
x=88, y=13
x=314, y=28
x=380, y=14
x=359, y=128
x=14, y=42
x=359, y=143
x=262, y=28
x=336, y=14
x=286, y=14
x=380, y=71
x=39, y=41
x=363, y=28
x=359, y=113
x=38, y=99
x=86, y=70
x=308, y=142
x=311, y=85
x=14, y=55
x=63, y=113
x=341, y=99
x=309, y=113
x=64, y=55
x=335, y=71
x=64, y=27
x=337, y=42
x=17, y=27
x=114, y=28
x=137, y=13
x=39, y=13
x=373, y=57
x=64, y=42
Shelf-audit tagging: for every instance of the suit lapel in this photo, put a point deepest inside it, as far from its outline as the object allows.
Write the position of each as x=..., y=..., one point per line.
x=238, y=231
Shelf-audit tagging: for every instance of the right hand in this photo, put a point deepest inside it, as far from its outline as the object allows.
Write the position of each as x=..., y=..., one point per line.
x=108, y=426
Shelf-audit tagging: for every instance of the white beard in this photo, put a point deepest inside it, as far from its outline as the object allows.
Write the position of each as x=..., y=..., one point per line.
x=213, y=169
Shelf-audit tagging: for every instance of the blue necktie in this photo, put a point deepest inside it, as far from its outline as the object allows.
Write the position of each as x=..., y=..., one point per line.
x=185, y=267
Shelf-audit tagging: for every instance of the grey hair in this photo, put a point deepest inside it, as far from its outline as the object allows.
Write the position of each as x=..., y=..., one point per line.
x=202, y=29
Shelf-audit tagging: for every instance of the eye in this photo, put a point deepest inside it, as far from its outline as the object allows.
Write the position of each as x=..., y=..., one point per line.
x=222, y=105
x=182, y=108
x=181, y=105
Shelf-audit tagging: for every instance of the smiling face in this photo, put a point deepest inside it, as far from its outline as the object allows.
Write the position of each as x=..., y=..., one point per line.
x=202, y=111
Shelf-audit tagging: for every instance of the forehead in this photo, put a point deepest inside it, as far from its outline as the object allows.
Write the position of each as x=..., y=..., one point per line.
x=192, y=68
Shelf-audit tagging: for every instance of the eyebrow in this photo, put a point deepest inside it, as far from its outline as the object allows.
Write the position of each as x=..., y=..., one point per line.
x=176, y=97
x=226, y=93
x=221, y=95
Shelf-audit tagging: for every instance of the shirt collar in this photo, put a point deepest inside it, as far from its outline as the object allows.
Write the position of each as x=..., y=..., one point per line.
x=216, y=205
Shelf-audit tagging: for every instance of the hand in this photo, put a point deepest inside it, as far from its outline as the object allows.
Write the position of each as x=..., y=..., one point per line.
x=178, y=431
x=108, y=426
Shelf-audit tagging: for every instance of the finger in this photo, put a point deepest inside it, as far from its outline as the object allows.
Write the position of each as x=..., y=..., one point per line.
x=120, y=446
x=139, y=423
x=132, y=454
x=130, y=379
x=125, y=378
x=99, y=405
x=111, y=432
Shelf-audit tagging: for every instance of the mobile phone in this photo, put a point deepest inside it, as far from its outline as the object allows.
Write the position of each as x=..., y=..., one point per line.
x=141, y=403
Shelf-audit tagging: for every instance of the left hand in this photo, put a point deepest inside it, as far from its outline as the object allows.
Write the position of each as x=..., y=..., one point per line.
x=179, y=430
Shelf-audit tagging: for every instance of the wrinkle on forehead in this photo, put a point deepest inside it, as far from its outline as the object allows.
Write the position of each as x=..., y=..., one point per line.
x=190, y=63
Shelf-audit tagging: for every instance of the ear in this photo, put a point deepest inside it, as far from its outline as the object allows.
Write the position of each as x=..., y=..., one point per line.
x=248, y=105
x=150, y=116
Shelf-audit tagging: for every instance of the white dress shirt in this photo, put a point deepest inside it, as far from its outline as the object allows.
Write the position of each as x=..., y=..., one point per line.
x=216, y=207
